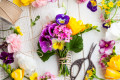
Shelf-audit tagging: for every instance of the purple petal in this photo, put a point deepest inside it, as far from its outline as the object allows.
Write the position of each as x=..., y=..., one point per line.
x=102, y=44
x=108, y=51
x=3, y=55
x=62, y=17
x=112, y=42
x=91, y=7
x=106, y=26
x=45, y=31
x=45, y=46
x=51, y=29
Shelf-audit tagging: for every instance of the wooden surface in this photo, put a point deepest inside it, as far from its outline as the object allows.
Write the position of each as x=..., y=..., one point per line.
x=31, y=35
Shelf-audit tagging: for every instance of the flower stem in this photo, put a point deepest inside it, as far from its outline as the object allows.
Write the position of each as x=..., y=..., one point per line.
x=115, y=13
x=27, y=77
x=99, y=78
x=6, y=29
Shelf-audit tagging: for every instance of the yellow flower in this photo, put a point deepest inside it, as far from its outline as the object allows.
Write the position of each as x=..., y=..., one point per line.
x=118, y=3
x=107, y=12
x=18, y=74
x=58, y=44
x=18, y=30
x=110, y=4
x=34, y=76
x=112, y=74
x=22, y=2
x=103, y=1
x=75, y=26
x=100, y=7
x=106, y=7
x=94, y=3
x=90, y=72
x=115, y=63
x=86, y=78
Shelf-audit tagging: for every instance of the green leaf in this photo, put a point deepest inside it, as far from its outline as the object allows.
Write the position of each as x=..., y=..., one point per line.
x=33, y=22
x=76, y=44
x=44, y=56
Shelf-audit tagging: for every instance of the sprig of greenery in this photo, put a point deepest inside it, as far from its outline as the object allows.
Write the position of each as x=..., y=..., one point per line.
x=33, y=22
x=8, y=70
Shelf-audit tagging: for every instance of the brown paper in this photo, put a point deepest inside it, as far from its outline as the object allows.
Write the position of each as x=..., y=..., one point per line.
x=9, y=11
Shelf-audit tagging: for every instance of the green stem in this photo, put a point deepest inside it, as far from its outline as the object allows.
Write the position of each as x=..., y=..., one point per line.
x=6, y=78
x=99, y=78
x=114, y=13
x=5, y=30
x=27, y=77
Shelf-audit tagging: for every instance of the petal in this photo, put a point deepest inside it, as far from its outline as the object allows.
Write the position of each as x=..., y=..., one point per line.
x=108, y=51
x=102, y=44
x=102, y=50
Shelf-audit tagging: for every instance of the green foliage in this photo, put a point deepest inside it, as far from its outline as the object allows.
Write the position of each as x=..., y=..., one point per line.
x=44, y=56
x=76, y=44
x=33, y=22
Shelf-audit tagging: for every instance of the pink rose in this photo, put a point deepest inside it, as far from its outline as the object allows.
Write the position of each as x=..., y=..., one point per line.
x=14, y=43
x=39, y=3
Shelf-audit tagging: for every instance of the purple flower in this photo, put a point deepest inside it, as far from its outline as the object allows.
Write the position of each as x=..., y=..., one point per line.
x=106, y=47
x=62, y=19
x=92, y=5
x=7, y=57
x=51, y=29
x=106, y=25
x=45, y=31
x=45, y=43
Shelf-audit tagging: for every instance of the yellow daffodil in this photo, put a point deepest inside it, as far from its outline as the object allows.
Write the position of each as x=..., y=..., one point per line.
x=34, y=76
x=75, y=26
x=58, y=44
x=18, y=74
x=118, y=3
x=17, y=29
x=115, y=63
x=111, y=4
x=107, y=12
x=22, y=2
x=111, y=73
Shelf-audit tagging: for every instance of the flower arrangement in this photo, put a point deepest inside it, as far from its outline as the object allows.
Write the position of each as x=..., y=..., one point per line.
x=35, y=3
x=110, y=61
x=61, y=36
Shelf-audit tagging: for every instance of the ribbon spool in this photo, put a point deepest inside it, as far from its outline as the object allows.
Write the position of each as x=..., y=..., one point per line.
x=9, y=12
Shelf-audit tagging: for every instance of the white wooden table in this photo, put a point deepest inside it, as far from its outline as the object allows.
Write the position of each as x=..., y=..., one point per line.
x=31, y=35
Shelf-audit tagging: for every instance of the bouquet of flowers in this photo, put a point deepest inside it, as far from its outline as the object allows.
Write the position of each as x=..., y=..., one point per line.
x=61, y=36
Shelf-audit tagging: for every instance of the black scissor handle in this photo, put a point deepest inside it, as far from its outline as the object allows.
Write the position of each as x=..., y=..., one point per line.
x=78, y=63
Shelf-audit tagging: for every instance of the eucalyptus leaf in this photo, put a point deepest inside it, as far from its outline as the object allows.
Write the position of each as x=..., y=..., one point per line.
x=76, y=44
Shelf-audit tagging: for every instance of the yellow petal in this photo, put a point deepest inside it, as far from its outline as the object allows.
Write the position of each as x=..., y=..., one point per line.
x=112, y=74
x=18, y=74
x=17, y=2
x=34, y=76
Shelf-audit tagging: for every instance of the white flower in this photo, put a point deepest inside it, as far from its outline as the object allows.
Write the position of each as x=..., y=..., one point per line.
x=27, y=63
x=113, y=33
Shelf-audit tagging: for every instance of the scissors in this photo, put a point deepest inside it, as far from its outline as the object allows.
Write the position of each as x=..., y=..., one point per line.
x=79, y=63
